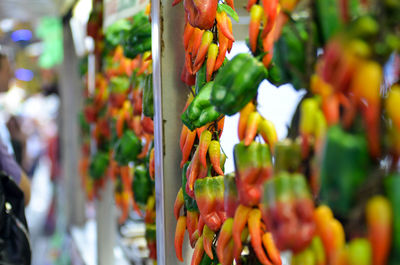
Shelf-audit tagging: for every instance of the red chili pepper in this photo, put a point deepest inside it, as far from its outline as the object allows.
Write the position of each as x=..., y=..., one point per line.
x=208, y=237
x=239, y=223
x=179, y=201
x=252, y=127
x=148, y=125
x=268, y=46
x=211, y=57
x=272, y=250
x=271, y=11
x=200, y=225
x=256, y=13
x=187, y=148
x=182, y=140
x=230, y=3
x=146, y=147
x=225, y=236
x=188, y=63
x=205, y=139
x=254, y=222
x=220, y=126
x=214, y=152
x=187, y=78
x=187, y=35
x=179, y=236
x=223, y=23
x=152, y=164
x=197, y=41
x=175, y=2
x=198, y=252
x=119, y=126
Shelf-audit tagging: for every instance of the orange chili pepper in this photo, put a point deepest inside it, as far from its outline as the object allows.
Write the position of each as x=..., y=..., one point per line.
x=214, y=152
x=239, y=223
x=179, y=236
x=179, y=201
x=187, y=148
x=254, y=223
x=208, y=237
x=224, y=237
x=211, y=57
x=205, y=139
x=223, y=23
x=252, y=127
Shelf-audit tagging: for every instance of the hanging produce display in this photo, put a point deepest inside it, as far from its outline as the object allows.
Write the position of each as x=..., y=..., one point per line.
x=120, y=113
x=327, y=193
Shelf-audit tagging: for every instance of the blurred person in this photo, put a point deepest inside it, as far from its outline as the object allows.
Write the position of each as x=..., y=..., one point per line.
x=18, y=141
x=7, y=160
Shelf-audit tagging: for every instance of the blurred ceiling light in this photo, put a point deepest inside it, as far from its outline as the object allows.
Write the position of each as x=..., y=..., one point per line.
x=21, y=35
x=6, y=25
x=24, y=74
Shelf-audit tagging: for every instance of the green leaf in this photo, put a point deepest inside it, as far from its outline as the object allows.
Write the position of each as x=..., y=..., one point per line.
x=227, y=9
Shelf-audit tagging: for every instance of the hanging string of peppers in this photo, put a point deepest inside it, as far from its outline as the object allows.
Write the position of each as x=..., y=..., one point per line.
x=326, y=194
x=121, y=112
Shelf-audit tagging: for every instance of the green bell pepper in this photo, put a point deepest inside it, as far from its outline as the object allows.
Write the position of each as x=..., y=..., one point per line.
x=209, y=193
x=237, y=83
x=98, y=165
x=127, y=148
x=287, y=156
x=344, y=168
x=142, y=185
x=200, y=111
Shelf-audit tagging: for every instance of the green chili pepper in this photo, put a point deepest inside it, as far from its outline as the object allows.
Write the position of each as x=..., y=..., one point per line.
x=148, y=109
x=200, y=111
x=237, y=83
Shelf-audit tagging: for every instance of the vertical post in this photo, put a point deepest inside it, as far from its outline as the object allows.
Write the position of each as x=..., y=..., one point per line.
x=70, y=97
x=106, y=226
x=105, y=217
x=169, y=98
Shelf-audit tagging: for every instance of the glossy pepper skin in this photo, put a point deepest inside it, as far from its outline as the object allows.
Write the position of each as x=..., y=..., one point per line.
x=148, y=109
x=201, y=13
x=209, y=193
x=237, y=83
x=200, y=111
x=253, y=167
